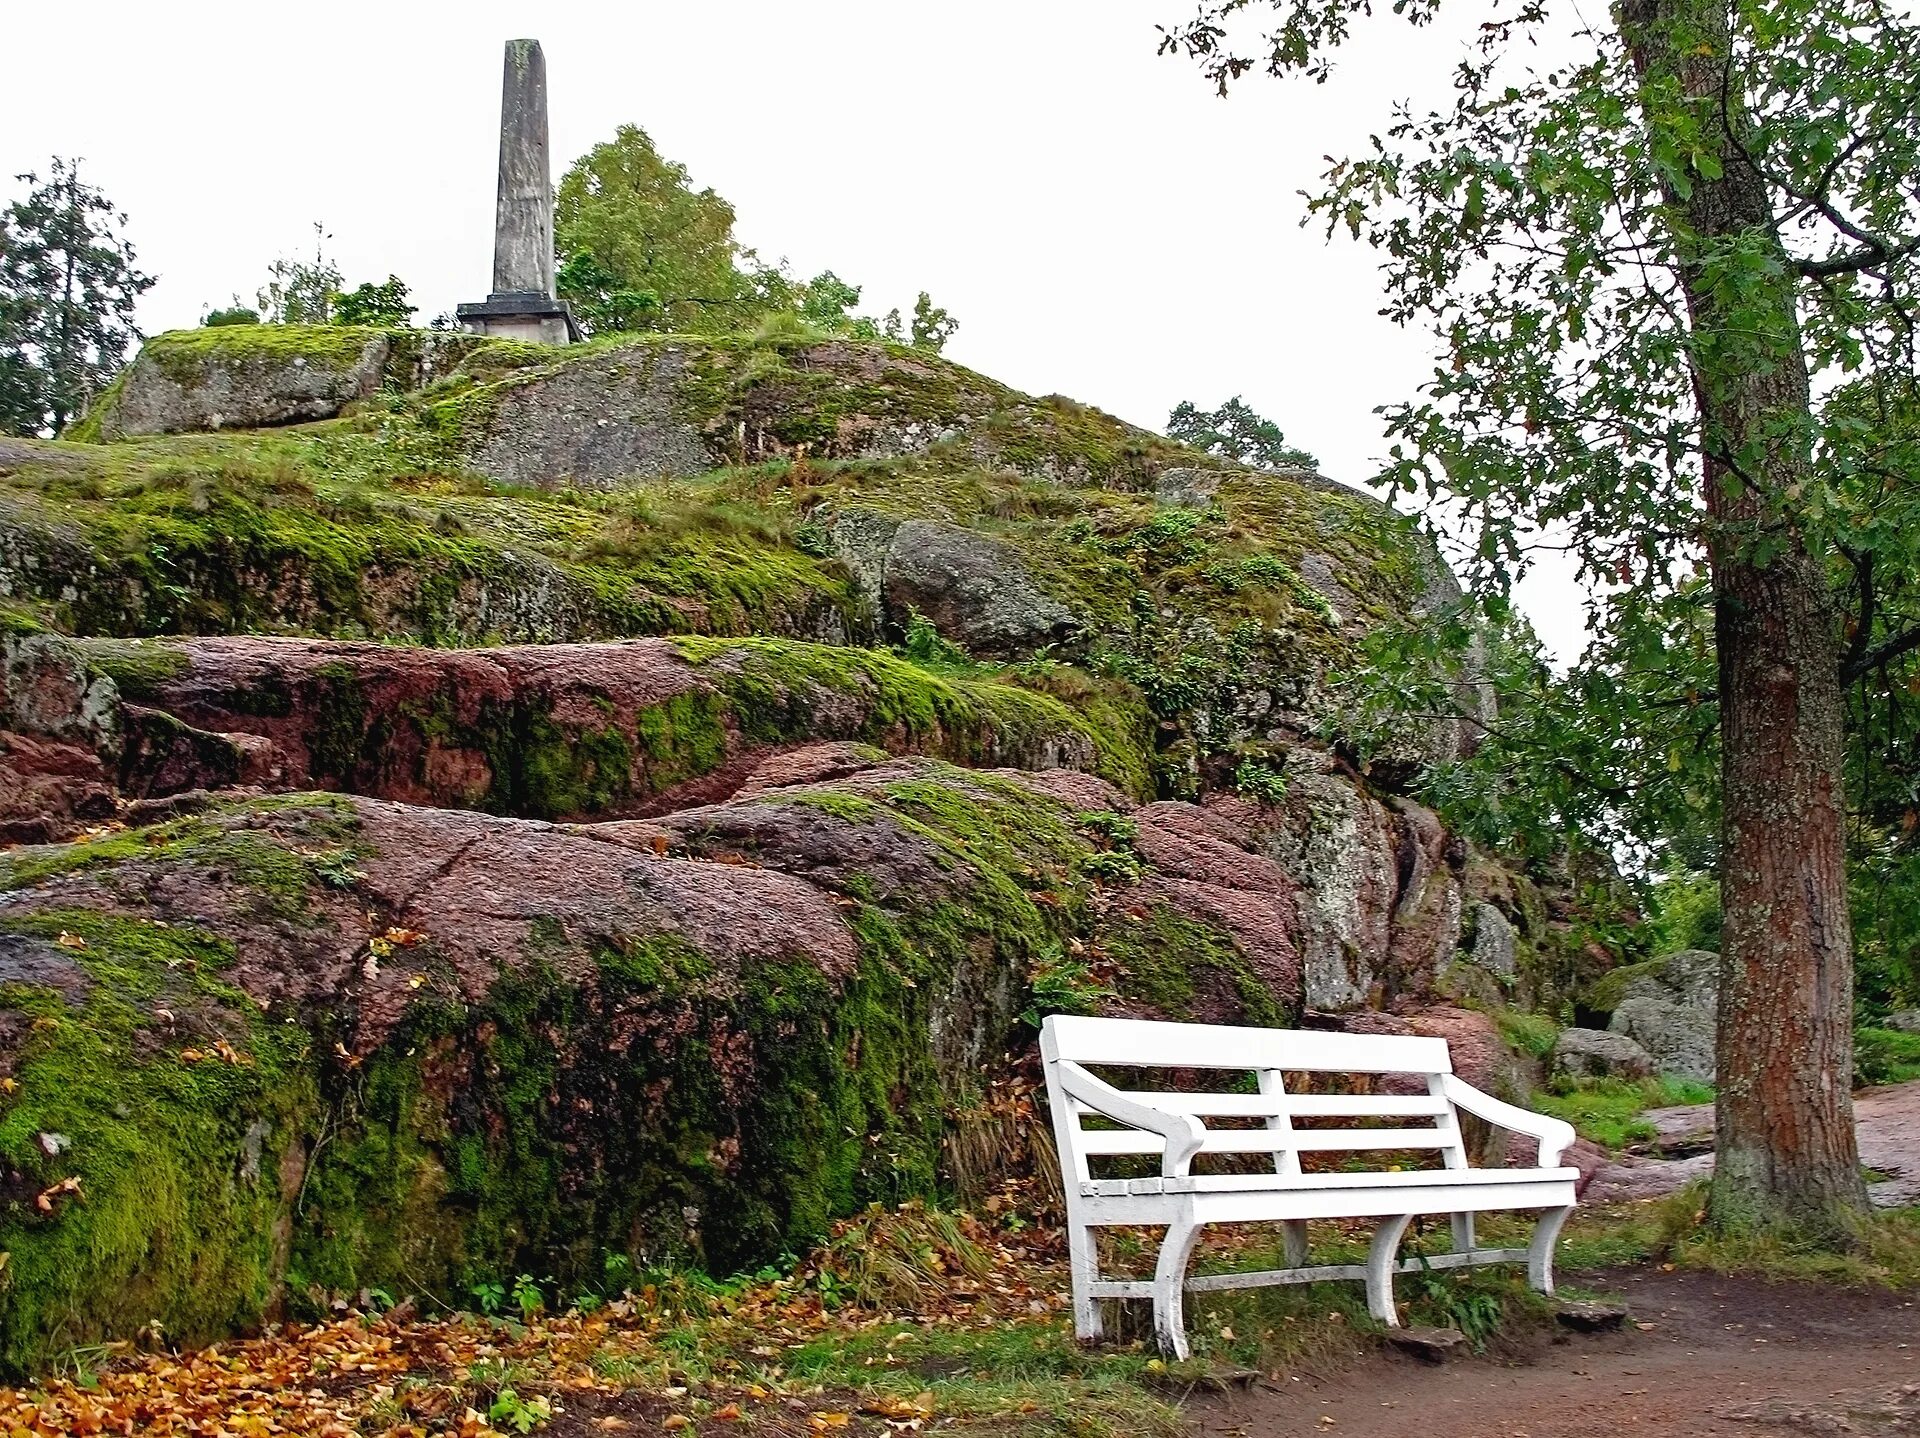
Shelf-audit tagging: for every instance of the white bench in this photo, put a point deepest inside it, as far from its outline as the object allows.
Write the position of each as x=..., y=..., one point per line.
x=1168, y=1126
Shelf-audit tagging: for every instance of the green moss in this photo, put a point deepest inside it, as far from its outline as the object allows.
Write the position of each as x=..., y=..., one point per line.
x=1184, y=967
x=185, y=356
x=775, y=689
x=1608, y=1110
x=138, y=667
x=89, y=429
x=1882, y=1056
x=178, y=1163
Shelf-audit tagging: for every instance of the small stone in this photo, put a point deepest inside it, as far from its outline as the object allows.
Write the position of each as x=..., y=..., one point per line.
x=1214, y=1380
x=1429, y=1345
x=1591, y=1315
x=1907, y=1021
x=53, y=1144
x=1595, y=1053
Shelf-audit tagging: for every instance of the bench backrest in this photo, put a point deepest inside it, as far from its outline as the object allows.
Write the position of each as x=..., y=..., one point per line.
x=1424, y=1121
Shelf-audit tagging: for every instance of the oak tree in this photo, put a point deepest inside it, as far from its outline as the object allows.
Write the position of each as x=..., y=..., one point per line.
x=1641, y=263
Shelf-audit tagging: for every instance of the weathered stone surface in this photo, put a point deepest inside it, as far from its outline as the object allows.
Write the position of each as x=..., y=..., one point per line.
x=976, y=592
x=60, y=732
x=50, y=789
x=1669, y=1006
x=683, y=1032
x=1493, y=943
x=47, y=689
x=1339, y=843
x=1906, y=1021
x=1690, y=977
x=1596, y=1053
x=1187, y=488
x=606, y=420
x=1680, y=1038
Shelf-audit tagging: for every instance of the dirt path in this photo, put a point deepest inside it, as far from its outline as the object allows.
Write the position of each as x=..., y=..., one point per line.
x=1723, y=1356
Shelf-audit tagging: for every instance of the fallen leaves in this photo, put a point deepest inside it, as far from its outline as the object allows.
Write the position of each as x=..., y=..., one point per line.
x=68, y=1187
x=403, y=1376
x=220, y=1049
x=70, y=941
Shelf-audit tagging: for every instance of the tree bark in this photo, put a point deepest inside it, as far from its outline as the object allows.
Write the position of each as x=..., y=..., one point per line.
x=1786, y=1152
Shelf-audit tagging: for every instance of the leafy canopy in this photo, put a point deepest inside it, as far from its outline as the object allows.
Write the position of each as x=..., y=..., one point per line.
x=1526, y=226
x=641, y=249
x=384, y=304
x=68, y=284
x=1235, y=431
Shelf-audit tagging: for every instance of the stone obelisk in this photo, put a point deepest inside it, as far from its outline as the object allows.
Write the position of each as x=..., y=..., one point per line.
x=522, y=305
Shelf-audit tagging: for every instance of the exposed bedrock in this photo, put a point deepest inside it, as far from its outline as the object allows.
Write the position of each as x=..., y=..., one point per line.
x=557, y=731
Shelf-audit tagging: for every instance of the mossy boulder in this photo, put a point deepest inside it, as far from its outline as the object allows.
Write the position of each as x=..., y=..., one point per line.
x=280, y=1049
x=251, y=376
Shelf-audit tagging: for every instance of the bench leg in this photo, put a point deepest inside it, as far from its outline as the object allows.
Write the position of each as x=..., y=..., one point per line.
x=1540, y=1252
x=1293, y=1232
x=1169, y=1287
x=1380, y=1258
x=1083, y=1254
x=1463, y=1233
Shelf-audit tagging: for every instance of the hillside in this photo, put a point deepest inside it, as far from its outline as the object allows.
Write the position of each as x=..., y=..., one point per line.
x=479, y=807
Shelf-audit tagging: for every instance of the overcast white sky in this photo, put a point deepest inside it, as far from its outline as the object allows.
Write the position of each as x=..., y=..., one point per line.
x=1100, y=223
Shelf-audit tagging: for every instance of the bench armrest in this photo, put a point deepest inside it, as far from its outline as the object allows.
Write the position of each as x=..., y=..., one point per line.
x=1183, y=1132
x=1555, y=1135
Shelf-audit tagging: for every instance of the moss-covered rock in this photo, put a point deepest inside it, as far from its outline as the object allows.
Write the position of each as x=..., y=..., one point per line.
x=251, y=376
x=286, y=1048
x=566, y=730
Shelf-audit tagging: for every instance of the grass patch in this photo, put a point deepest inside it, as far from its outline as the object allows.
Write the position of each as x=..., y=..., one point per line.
x=1608, y=1110
x=1882, y=1056
x=1882, y=1249
x=1527, y=1033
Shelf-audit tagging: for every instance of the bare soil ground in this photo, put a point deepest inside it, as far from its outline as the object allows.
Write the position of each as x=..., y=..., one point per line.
x=1702, y=1356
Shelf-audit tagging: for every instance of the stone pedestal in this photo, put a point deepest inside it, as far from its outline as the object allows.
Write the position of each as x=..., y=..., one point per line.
x=520, y=317
x=522, y=305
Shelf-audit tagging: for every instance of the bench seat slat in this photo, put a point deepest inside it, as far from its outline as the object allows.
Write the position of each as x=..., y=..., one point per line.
x=1294, y=1183
x=1111, y=1142
x=1305, y=1105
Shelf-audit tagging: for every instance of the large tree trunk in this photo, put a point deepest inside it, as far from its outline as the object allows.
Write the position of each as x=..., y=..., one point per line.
x=1785, y=1135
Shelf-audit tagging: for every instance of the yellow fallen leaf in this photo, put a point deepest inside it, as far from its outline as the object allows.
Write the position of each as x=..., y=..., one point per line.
x=676, y=1421
x=70, y=941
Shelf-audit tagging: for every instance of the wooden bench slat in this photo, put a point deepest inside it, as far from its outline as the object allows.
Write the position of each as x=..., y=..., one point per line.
x=1294, y=1105
x=1105, y=1143
x=1418, y=1178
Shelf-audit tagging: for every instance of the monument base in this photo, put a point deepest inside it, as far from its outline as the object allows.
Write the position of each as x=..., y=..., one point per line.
x=520, y=317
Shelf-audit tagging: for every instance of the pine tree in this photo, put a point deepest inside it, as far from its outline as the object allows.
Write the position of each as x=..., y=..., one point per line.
x=68, y=284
